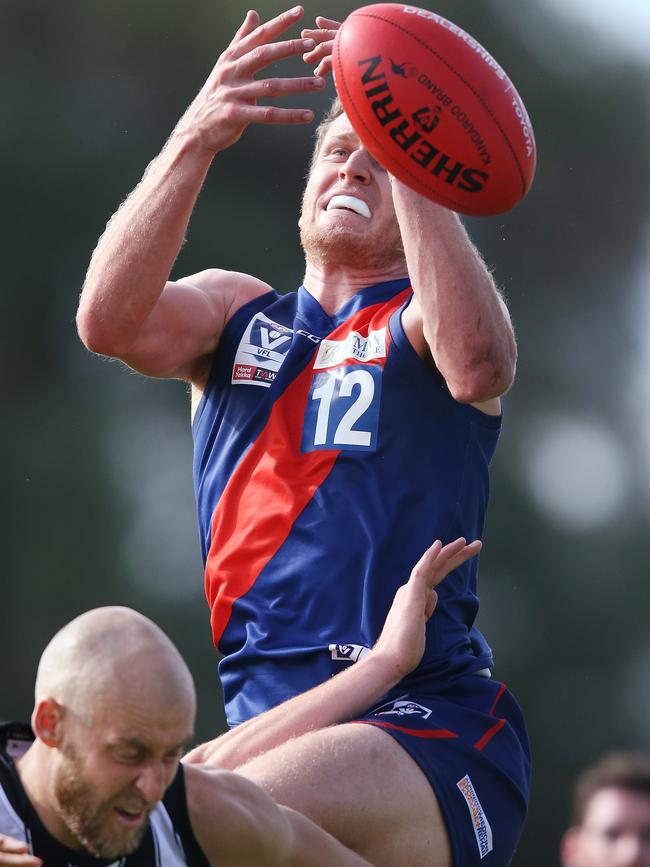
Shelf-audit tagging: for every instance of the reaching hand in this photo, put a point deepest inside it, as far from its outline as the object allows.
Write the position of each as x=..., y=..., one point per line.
x=227, y=103
x=403, y=637
x=14, y=853
x=324, y=39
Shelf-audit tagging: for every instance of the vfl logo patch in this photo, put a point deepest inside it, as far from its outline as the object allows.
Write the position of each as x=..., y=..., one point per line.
x=348, y=652
x=261, y=351
x=482, y=830
x=401, y=707
x=355, y=347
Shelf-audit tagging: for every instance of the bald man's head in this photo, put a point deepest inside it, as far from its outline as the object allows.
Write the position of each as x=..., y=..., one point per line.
x=108, y=655
x=115, y=707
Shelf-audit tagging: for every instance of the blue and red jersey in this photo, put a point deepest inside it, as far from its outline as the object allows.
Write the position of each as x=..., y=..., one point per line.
x=328, y=456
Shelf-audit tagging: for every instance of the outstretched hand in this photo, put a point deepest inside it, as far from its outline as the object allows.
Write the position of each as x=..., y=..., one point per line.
x=228, y=101
x=403, y=637
x=323, y=36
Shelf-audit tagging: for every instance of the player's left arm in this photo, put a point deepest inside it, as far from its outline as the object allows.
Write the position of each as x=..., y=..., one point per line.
x=458, y=317
x=350, y=693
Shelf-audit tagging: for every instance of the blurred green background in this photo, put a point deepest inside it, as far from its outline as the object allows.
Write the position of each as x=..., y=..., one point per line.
x=97, y=503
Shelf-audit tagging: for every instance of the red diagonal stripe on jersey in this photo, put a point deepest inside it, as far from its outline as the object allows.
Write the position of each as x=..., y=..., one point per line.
x=431, y=734
x=272, y=484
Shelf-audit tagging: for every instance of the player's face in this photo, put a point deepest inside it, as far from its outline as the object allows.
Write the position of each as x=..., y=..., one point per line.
x=112, y=774
x=615, y=831
x=347, y=215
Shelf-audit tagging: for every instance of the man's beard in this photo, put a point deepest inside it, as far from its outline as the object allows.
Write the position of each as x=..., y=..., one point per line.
x=339, y=247
x=86, y=817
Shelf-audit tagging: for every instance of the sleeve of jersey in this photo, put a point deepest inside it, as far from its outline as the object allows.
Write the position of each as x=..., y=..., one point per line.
x=273, y=483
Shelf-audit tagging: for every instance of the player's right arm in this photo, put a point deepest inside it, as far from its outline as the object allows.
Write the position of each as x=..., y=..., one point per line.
x=237, y=823
x=129, y=309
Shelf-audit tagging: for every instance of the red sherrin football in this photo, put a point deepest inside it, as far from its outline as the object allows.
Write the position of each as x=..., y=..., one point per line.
x=434, y=108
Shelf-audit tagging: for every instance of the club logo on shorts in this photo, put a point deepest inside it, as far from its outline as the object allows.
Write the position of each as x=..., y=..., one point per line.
x=348, y=652
x=482, y=829
x=261, y=351
x=403, y=707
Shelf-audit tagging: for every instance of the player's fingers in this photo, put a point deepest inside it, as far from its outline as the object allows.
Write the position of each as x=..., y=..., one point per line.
x=450, y=550
x=266, y=32
x=250, y=23
x=324, y=67
x=327, y=23
x=438, y=561
x=10, y=860
x=8, y=844
x=459, y=547
x=273, y=115
x=272, y=87
x=318, y=35
x=424, y=570
x=455, y=557
x=16, y=852
x=319, y=52
x=263, y=55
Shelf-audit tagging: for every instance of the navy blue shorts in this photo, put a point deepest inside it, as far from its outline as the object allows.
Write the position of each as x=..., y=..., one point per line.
x=469, y=738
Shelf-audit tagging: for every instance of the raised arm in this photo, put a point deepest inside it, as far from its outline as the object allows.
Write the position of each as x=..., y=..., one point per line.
x=459, y=315
x=128, y=307
x=397, y=652
x=459, y=319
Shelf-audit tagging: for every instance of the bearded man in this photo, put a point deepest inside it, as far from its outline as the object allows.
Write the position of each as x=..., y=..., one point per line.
x=336, y=429
x=96, y=779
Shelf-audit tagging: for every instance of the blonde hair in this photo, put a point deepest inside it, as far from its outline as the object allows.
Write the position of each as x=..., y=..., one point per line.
x=335, y=110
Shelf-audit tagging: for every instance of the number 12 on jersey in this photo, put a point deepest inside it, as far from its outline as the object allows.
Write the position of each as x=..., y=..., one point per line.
x=343, y=409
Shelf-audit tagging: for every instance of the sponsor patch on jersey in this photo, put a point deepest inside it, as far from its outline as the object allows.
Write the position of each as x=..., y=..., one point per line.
x=348, y=652
x=355, y=347
x=403, y=707
x=482, y=829
x=261, y=351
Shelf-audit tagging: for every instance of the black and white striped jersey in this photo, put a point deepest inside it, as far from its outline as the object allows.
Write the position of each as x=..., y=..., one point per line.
x=169, y=841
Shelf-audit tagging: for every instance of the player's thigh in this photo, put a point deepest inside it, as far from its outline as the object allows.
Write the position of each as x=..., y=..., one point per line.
x=359, y=784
